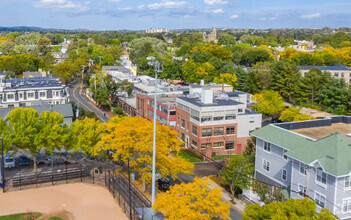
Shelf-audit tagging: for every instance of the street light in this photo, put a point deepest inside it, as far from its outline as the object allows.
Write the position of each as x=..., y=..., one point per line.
x=156, y=64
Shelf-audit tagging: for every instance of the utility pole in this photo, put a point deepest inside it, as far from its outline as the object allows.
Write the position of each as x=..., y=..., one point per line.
x=156, y=64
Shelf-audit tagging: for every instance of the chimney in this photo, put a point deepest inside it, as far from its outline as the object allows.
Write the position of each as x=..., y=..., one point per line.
x=202, y=82
x=207, y=96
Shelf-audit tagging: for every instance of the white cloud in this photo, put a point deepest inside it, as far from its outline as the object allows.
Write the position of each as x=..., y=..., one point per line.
x=140, y=6
x=57, y=4
x=125, y=9
x=215, y=2
x=114, y=0
x=187, y=16
x=214, y=11
x=272, y=18
x=234, y=16
x=167, y=4
x=308, y=16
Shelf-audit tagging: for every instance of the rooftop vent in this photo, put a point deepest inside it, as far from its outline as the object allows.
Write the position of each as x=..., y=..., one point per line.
x=207, y=96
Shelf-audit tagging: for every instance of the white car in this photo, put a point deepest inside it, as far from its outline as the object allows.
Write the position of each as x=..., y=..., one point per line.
x=9, y=161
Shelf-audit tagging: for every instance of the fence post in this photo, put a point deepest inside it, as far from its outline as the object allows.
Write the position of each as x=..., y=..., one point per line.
x=20, y=179
x=81, y=170
x=52, y=171
x=93, y=175
x=66, y=173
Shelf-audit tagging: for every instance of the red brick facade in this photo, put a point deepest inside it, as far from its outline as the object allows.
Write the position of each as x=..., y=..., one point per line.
x=207, y=144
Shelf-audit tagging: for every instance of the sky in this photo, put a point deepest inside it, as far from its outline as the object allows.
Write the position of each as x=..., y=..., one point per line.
x=175, y=14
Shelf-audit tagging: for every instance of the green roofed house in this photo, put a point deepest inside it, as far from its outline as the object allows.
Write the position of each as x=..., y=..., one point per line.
x=310, y=157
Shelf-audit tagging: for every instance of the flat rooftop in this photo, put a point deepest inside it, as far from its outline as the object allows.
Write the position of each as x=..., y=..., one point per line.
x=324, y=131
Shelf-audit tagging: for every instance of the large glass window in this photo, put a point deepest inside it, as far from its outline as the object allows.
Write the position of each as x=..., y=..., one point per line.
x=10, y=96
x=194, y=143
x=229, y=145
x=320, y=200
x=42, y=94
x=347, y=181
x=194, y=130
x=266, y=165
x=218, y=144
x=321, y=176
x=346, y=205
x=267, y=146
x=205, y=145
x=303, y=168
x=30, y=95
x=218, y=131
x=206, y=118
x=183, y=123
x=284, y=174
x=230, y=130
x=206, y=132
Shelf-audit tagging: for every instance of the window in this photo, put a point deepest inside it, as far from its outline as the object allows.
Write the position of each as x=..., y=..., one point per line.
x=205, y=145
x=172, y=123
x=207, y=118
x=194, y=143
x=218, y=144
x=206, y=132
x=252, y=119
x=342, y=75
x=230, y=117
x=218, y=118
x=183, y=123
x=303, y=168
x=218, y=131
x=267, y=146
x=183, y=137
x=285, y=157
x=42, y=94
x=347, y=181
x=194, y=130
x=284, y=173
x=302, y=190
x=30, y=95
x=240, y=110
x=10, y=96
x=57, y=93
x=150, y=113
x=321, y=176
x=229, y=145
x=336, y=74
x=266, y=165
x=172, y=112
x=20, y=95
x=230, y=130
x=320, y=200
x=346, y=205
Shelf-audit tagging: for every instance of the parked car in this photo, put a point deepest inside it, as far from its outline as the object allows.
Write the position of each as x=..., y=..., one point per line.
x=40, y=159
x=23, y=160
x=9, y=161
x=163, y=185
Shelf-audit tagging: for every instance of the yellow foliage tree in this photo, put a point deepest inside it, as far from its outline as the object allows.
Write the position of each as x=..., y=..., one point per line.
x=133, y=138
x=192, y=201
x=289, y=114
x=303, y=117
x=268, y=102
x=226, y=78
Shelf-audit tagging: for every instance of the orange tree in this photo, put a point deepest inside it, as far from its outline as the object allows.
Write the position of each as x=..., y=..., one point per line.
x=133, y=138
x=192, y=201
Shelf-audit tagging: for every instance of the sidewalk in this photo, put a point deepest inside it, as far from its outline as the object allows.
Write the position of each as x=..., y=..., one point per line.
x=226, y=196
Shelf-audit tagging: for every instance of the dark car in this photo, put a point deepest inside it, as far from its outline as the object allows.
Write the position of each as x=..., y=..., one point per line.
x=40, y=159
x=23, y=160
x=163, y=185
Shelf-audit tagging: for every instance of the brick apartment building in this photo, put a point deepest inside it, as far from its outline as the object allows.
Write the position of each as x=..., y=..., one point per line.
x=215, y=125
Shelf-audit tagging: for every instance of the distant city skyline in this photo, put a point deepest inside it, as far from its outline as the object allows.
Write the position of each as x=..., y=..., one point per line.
x=174, y=14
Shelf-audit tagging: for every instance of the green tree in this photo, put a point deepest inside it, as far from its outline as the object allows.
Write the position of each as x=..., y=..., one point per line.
x=263, y=75
x=44, y=45
x=254, y=56
x=24, y=126
x=86, y=133
x=286, y=78
x=237, y=176
x=226, y=39
x=268, y=194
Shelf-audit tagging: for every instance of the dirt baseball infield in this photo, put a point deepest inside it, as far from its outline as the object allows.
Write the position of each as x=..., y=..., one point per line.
x=70, y=201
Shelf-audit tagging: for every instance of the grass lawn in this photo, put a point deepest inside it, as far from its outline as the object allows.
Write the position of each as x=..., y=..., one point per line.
x=21, y=216
x=221, y=157
x=185, y=155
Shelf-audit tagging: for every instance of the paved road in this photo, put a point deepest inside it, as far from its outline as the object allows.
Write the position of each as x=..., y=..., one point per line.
x=83, y=102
